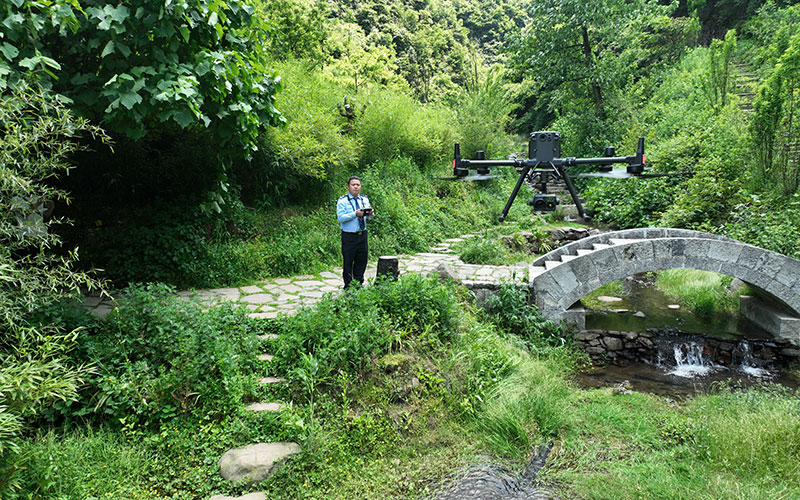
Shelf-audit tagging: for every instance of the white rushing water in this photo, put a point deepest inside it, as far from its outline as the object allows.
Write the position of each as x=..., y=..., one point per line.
x=689, y=361
x=747, y=367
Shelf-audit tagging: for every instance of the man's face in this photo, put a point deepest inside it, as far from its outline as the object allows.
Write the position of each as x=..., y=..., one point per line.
x=354, y=187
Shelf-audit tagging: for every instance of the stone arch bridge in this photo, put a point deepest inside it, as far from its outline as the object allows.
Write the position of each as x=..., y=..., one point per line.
x=560, y=278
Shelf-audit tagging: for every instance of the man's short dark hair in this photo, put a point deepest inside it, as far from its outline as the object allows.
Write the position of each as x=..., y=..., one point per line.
x=351, y=179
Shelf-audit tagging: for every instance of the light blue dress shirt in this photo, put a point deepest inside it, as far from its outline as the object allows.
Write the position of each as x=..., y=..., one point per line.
x=346, y=212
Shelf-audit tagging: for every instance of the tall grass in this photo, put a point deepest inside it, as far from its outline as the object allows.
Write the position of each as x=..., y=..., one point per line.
x=702, y=291
x=88, y=463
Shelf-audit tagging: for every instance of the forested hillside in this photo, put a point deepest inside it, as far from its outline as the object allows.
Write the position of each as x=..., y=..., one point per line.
x=223, y=116
x=152, y=146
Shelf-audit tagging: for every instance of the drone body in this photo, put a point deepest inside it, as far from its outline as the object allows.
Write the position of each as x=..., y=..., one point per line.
x=544, y=162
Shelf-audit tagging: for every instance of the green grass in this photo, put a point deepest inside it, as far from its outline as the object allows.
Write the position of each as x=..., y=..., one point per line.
x=701, y=291
x=730, y=445
x=612, y=289
x=440, y=385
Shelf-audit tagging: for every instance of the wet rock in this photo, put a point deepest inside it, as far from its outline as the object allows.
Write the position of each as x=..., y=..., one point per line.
x=673, y=307
x=254, y=462
x=445, y=273
x=639, y=314
x=607, y=299
x=250, y=496
x=612, y=343
x=623, y=387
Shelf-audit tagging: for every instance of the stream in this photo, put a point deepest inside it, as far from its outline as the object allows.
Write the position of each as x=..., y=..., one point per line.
x=683, y=366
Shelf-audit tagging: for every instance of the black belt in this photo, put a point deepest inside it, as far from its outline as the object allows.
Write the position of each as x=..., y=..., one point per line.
x=356, y=232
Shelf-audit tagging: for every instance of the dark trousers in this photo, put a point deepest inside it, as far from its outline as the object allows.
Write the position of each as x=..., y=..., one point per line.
x=354, y=253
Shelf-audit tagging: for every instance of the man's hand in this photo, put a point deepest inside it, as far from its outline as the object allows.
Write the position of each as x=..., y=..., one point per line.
x=359, y=213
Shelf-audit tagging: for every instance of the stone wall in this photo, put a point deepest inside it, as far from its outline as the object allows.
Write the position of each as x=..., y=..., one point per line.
x=655, y=346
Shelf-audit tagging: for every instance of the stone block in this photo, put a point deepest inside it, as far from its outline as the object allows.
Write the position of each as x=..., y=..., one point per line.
x=779, y=323
x=725, y=251
x=255, y=462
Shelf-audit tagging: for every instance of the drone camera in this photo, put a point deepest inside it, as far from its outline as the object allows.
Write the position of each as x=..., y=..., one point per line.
x=544, y=146
x=543, y=202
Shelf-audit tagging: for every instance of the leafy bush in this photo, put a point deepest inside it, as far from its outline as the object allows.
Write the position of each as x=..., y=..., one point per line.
x=158, y=357
x=483, y=251
x=38, y=137
x=771, y=223
x=512, y=311
x=344, y=332
x=394, y=125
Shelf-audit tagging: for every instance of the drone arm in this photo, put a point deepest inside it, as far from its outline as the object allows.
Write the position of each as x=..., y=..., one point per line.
x=572, y=191
x=522, y=176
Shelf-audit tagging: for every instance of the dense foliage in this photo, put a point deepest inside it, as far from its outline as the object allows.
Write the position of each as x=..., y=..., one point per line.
x=137, y=69
x=37, y=137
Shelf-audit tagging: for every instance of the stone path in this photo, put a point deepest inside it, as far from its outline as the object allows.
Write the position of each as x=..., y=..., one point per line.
x=272, y=297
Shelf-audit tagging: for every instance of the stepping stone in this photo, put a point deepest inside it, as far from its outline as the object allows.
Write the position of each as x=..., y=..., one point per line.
x=254, y=462
x=271, y=407
x=251, y=289
x=674, y=306
x=250, y=496
x=265, y=357
x=550, y=264
x=264, y=315
x=258, y=298
x=272, y=380
x=268, y=336
x=606, y=298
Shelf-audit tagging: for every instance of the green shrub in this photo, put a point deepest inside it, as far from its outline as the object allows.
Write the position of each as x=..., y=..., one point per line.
x=512, y=311
x=38, y=138
x=344, y=332
x=771, y=223
x=395, y=125
x=483, y=251
x=159, y=356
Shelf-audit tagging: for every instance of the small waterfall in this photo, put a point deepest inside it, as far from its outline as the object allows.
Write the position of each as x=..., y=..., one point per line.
x=689, y=360
x=748, y=362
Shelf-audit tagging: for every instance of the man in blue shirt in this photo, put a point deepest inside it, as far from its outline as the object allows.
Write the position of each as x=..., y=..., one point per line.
x=353, y=210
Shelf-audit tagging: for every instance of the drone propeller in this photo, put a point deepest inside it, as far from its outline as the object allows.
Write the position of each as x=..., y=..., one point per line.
x=473, y=177
x=622, y=173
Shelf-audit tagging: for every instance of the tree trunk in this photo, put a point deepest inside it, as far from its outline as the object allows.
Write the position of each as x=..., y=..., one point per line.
x=597, y=94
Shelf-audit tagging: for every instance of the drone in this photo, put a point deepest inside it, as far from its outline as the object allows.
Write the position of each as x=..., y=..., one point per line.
x=543, y=164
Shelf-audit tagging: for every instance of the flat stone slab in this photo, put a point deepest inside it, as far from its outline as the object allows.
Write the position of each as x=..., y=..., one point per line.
x=250, y=496
x=255, y=462
x=271, y=380
x=606, y=298
x=251, y=289
x=264, y=315
x=265, y=357
x=258, y=298
x=271, y=407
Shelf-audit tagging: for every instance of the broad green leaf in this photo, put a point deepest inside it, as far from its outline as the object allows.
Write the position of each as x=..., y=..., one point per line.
x=52, y=63
x=185, y=32
x=183, y=117
x=9, y=51
x=123, y=49
x=130, y=99
x=29, y=62
x=108, y=49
